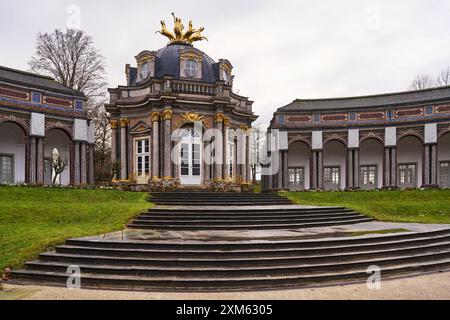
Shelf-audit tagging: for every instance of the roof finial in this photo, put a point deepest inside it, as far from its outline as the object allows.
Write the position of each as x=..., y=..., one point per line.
x=179, y=35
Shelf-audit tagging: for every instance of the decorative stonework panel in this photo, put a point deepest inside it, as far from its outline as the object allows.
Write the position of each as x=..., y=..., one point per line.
x=37, y=124
x=353, y=138
x=80, y=130
x=431, y=133
x=390, y=137
x=443, y=109
x=317, y=140
x=57, y=102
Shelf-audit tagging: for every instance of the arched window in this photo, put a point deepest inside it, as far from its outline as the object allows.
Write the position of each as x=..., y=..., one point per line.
x=191, y=68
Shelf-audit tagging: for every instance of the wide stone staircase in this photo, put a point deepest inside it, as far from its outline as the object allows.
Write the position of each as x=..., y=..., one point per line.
x=192, y=263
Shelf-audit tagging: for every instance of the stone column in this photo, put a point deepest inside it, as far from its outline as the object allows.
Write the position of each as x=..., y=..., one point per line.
x=434, y=165
x=243, y=153
x=387, y=168
x=394, y=183
x=32, y=161
x=167, y=117
x=248, y=162
x=40, y=161
x=313, y=173
x=320, y=169
x=349, y=170
x=426, y=166
x=218, y=147
x=285, y=170
x=226, y=125
x=155, y=144
x=206, y=162
x=76, y=165
x=83, y=163
x=114, y=125
x=91, y=179
x=356, y=169
x=123, y=149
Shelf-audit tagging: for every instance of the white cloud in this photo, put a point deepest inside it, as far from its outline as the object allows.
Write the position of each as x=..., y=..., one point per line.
x=281, y=50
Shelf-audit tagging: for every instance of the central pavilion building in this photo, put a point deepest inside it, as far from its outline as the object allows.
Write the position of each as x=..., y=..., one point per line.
x=170, y=89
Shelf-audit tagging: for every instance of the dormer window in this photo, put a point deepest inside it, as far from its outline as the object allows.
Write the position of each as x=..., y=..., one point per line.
x=191, y=68
x=144, y=71
x=225, y=76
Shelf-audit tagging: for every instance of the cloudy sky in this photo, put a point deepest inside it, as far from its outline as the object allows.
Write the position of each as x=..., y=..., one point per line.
x=280, y=50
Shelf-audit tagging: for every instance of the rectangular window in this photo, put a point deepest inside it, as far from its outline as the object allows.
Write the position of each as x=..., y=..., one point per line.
x=297, y=177
x=6, y=169
x=332, y=177
x=143, y=157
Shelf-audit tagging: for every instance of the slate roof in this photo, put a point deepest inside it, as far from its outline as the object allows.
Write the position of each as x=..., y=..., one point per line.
x=380, y=100
x=168, y=63
x=36, y=81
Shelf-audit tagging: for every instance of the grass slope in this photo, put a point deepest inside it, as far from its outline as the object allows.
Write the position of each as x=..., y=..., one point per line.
x=429, y=206
x=35, y=219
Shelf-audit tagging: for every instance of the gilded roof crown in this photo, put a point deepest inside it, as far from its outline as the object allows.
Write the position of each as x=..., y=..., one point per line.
x=179, y=36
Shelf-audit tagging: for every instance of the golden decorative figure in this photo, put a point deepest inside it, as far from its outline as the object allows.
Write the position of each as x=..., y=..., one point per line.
x=192, y=117
x=226, y=121
x=179, y=35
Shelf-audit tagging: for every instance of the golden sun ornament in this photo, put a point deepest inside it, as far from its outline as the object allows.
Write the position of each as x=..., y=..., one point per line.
x=179, y=35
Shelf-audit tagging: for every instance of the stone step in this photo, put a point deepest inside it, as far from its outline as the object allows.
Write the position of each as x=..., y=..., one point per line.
x=221, y=217
x=242, y=253
x=241, y=246
x=225, y=262
x=292, y=279
x=220, y=203
x=259, y=226
x=239, y=213
x=253, y=221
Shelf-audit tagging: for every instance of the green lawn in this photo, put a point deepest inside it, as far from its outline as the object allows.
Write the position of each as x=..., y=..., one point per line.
x=35, y=219
x=430, y=206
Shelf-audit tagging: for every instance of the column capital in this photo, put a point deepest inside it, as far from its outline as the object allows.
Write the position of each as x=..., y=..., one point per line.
x=155, y=116
x=124, y=122
x=167, y=114
x=114, y=124
x=219, y=117
x=226, y=121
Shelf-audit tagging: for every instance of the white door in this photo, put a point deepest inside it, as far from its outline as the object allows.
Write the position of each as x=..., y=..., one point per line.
x=191, y=155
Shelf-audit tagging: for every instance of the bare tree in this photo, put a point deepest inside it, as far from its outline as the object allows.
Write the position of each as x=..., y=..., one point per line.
x=423, y=81
x=256, y=147
x=443, y=78
x=58, y=166
x=115, y=170
x=71, y=59
x=102, y=138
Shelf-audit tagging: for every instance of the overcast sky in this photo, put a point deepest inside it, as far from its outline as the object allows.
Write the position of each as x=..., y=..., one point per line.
x=280, y=50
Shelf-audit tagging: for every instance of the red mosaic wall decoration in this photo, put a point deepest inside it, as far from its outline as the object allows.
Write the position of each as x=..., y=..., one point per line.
x=334, y=117
x=57, y=102
x=408, y=113
x=299, y=118
x=371, y=115
x=22, y=95
x=443, y=109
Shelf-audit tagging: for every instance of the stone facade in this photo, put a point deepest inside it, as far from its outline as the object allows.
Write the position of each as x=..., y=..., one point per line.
x=169, y=91
x=398, y=140
x=39, y=117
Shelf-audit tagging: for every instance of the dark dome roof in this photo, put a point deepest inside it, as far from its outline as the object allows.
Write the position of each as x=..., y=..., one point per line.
x=168, y=63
